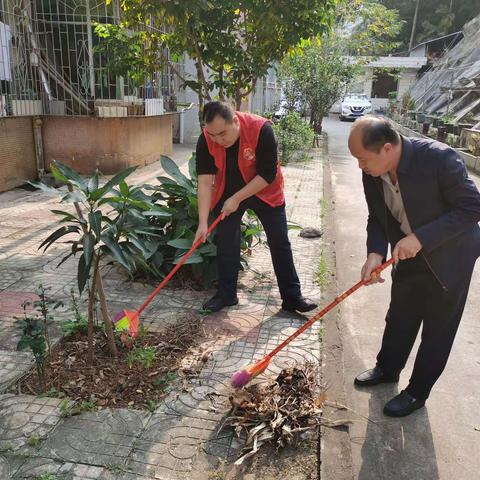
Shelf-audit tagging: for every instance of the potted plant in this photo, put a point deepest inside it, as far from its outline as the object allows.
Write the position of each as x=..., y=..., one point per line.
x=392, y=102
x=441, y=133
x=420, y=117
x=448, y=121
x=425, y=128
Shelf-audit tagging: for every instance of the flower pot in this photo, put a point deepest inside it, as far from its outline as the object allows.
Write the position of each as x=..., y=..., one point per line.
x=449, y=127
x=441, y=133
x=425, y=128
x=420, y=117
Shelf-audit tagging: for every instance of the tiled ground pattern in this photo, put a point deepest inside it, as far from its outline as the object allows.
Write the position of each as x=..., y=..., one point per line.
x=183, y=438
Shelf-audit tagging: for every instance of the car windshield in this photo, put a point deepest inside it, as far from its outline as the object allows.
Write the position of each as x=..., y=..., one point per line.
x=357, y=96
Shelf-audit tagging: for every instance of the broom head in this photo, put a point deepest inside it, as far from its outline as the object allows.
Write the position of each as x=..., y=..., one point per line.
x=242, y=377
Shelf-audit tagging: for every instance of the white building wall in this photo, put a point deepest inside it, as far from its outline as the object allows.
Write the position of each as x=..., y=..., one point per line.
x=191, y=127
x=406, y=81
x=265, y=97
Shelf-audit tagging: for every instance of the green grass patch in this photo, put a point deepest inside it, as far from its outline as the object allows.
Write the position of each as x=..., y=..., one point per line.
x=322, y=276
x=323, y=207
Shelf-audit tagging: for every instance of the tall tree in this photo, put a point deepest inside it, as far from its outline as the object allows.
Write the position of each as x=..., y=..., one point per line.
x=435, y=17
x=232, y=43
x=319, y=75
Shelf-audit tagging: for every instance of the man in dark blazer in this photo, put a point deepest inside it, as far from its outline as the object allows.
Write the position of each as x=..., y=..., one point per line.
x=421, y=202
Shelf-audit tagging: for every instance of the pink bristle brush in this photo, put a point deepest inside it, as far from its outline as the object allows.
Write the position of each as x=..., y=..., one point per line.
x=242, y=377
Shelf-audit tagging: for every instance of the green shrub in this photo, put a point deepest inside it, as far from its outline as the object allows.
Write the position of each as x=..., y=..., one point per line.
x=80, y=321
x=176, y=195
x=146, y=229
x=144, y=356
x=294, y=136
x=34, y=327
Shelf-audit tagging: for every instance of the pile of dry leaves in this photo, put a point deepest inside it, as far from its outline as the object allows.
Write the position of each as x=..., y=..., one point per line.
x=278, y=412
x=139, y=377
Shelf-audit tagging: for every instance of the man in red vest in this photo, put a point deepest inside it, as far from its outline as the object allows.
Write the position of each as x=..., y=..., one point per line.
x=238, y=169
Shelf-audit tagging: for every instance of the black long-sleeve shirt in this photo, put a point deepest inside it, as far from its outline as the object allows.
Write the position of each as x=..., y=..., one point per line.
x=265, y=154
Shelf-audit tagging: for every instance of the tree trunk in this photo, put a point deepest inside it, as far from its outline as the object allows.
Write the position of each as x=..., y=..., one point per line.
x=91, y=301
x=239, y=95
x=201, y=104
x=238, y=99
x=203, y=93
x=107, y=321
x=414, y=26
x=96, y=282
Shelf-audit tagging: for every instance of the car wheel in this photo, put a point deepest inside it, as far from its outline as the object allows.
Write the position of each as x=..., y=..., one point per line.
x=341, y=118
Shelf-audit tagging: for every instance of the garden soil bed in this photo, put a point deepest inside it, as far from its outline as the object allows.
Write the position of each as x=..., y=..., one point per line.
x=116, y=383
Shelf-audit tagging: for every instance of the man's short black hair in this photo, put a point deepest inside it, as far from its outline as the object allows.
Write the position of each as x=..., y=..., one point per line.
x=212, y=109
x=377, y=131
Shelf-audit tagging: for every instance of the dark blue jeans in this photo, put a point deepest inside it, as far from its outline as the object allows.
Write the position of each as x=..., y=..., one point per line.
x=274, y=221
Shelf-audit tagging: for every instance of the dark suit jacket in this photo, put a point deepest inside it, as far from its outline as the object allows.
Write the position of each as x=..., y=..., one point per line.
x=442, y=205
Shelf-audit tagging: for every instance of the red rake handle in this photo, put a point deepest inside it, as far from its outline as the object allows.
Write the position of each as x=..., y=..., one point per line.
x=329, y=307
x=178, y=265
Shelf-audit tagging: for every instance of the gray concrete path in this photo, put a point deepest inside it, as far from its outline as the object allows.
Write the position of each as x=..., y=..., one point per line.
x=441, y=441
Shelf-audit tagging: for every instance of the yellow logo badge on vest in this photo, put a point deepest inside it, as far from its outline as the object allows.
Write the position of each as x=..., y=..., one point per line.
x=248, y=154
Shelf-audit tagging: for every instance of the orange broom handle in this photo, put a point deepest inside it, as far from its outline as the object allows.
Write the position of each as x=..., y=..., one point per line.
x=178, y=265
x=327, y=309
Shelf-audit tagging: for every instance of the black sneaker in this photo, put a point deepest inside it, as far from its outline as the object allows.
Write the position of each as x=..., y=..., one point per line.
x=218, y=302
x=300, y=304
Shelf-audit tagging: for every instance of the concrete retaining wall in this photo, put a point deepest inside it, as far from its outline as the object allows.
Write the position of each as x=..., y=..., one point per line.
x=109, y=144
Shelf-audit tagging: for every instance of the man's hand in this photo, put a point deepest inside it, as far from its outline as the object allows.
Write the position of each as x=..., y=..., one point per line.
x=201, y=232
x=231, y=205
x=373, y=261
x=407, y=247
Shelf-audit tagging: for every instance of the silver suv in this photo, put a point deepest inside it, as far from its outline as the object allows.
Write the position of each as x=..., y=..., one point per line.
x=355, y=105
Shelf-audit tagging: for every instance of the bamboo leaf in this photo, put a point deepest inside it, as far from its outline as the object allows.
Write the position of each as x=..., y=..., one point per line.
x=45, y=188
x=88, y=242
x=64, y=259
x=157, y=213
x=124, y=190
x=93, y=183
x=74, y=197
x=193, y=258
x=181, y=243
x=82, y=273
x=68, y=173
x=58, y=234
x=95, y=220
x=171, y=168
x=115, y=251
x=113, y=182
x=192, y=166
x=67, y=215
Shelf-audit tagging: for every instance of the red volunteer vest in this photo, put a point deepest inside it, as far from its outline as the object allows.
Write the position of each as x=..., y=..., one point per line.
x=250, y=126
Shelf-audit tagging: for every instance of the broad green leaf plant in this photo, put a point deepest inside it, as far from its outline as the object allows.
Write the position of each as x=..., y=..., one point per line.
x=96, y=234
x=144, y=229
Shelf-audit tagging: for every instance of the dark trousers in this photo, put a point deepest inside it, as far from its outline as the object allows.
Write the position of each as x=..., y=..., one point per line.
x=274, y=221
x=418, y=297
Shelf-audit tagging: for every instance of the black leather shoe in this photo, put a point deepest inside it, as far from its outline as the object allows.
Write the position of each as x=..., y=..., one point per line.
x=374, y=377
x=402, y=405
x=300, y=304
x=217, y=302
